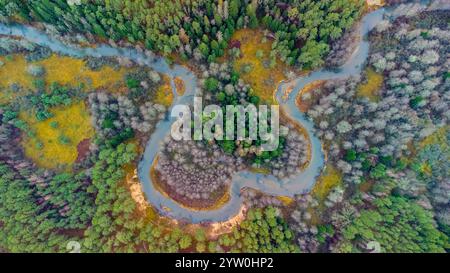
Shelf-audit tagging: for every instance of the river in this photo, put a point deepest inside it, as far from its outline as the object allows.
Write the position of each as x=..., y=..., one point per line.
x=301, y=183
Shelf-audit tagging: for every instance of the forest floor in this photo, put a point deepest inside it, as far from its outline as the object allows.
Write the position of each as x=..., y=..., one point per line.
x=83, y=149
x=330, y=178
x=371, y=88
x=43, y=143
x=263, y=78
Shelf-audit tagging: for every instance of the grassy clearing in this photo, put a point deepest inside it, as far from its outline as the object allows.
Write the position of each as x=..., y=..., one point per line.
x=53, y=143
x=371, y=88
x=71, y=71
x=263, y=78
x=164, y=94
x=326, y=182
x=60, y=69
x=14, y=70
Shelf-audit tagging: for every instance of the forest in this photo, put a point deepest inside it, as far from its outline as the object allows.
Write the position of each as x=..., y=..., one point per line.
x=201, y=28
x=74, y=129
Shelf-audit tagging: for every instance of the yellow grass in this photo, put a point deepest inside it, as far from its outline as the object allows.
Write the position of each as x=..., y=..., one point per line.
x=14, y=70
x=164, y=94
x=259, y=170
x=371, y=88
x=438, y=137
x=287, y=201
x=61, y=69
x=326, y=182
x=180, y=86
x=263, y=80
x=73, y=122
x=375, y=3
x=71, y=71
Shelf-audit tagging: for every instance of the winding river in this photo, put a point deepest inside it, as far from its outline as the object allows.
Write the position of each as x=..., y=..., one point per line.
x=269, y=184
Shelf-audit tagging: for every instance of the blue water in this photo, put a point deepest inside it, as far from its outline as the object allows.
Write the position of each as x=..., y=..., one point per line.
x=269, y=184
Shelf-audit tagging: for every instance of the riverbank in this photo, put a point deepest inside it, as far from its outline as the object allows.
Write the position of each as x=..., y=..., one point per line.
x=303, y=104
x=179, y=86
